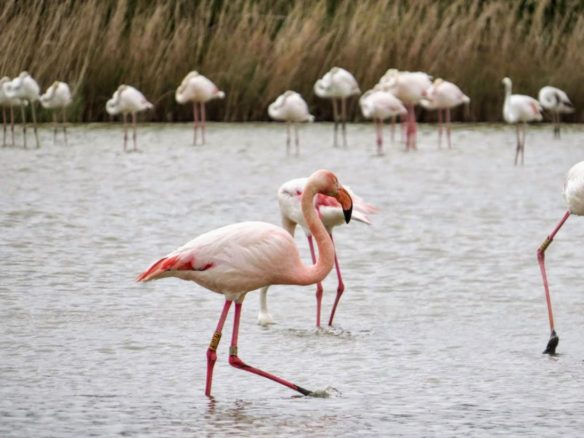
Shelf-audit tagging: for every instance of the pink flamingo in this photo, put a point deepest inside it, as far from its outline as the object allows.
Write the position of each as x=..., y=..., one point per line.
x=574, y=195
x=27, y=90
x=198, y=89
x=57, y=96
x=409, y=87
x=242, y=257
x=380, y=105
x=290, y=195
x=291, y=108
x=10, y=102
x=557, y=102
x=443, y=96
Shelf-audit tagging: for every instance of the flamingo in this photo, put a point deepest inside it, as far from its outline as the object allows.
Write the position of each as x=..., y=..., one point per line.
x=339, y=84
x=574, y=195
x=290, y=196
x=291, y=108
x=520, y=109
x=238, y=258
x=9, y=102
x=410, y=88
x=198, y=89
x=379, y=105
x=128, y=100
x=443, y=96
x=57, y=96
x=557, y=102
x=25, y=88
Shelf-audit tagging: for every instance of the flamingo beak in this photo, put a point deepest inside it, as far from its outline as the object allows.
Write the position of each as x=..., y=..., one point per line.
x=346, y=203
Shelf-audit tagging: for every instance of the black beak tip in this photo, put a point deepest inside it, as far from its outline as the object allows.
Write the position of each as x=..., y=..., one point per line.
x=348, y=214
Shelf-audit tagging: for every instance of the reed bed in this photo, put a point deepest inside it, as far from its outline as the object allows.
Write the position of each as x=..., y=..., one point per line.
x=256, y=49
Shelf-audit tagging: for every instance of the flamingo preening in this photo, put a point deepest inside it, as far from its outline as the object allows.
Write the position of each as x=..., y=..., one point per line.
x=519, y=109
x=290, y=196
x=379, y=105
x=442, y=96
x=128, y=100
x=338, y=85
x=26, y=89
x=197, y=89
x=410, y=88
x=574, y=195
x=556, y=102
x=8, y=102
x=291, y=108
x=57, y=97
x=242, y=257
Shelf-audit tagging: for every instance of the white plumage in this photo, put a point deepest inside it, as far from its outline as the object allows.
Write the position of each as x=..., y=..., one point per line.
x=557, y=102
x=25, y=89
x=57, y=96
x=380, y=105
x=290, y=107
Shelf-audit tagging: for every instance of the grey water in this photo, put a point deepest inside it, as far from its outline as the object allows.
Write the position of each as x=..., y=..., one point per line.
x=440, y=331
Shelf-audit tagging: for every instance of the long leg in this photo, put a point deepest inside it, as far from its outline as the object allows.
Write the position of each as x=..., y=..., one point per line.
x=344, y=119
x=65, y=124
x=411, y=128
x=523, y=133
x=554, y=339
x=556, y=121
x=236, y=362
x=135, y=133
x=439, y=128
x=195, y=122
x=297, y=139
x=288, y=139
x=203, y=121
x=4, y=126
x=12, y=123
x=34, y=124
x=448, y=127
x=379, y=135
x=318, y=285
x=393, y=128
x=518, y=148
x=124, y=117
x=23, y=113
x=340, y=287
x=336, y=119
x=54, y=127
x=212, y=350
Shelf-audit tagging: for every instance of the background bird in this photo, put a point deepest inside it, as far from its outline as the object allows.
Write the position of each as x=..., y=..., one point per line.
x=57, y=97
x=557, y=102
x=8, y=102
x=197, y=89
x=128, y=100
x=26, y=89
x=291, y=108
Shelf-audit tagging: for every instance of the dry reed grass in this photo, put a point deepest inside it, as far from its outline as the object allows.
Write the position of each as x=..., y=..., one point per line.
x=256, y=49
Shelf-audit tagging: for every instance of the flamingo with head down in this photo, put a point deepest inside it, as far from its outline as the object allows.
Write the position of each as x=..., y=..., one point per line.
x=291, y=108
x=8, y=102
x=57, y=96
x=557, y=102
x=27, y=91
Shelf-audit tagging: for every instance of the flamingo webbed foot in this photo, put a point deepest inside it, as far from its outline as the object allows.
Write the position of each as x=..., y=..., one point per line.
x=552, y=344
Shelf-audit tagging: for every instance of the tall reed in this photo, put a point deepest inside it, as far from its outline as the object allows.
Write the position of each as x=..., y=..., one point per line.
x=256, y=49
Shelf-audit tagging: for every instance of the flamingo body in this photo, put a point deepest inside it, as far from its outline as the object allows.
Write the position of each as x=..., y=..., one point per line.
x=57, y=97
x=27, y=91
x=8, y=102
x=128, y=100
x=291, y=108
x=557, y=102
x=381, y=105
x=574, y=189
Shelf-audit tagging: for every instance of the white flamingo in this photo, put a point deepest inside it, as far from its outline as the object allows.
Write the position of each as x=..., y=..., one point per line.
x=197, y=89
x=25, y=88
x=242, y=257
x=556, y=102
x=291, y=108
x=574, y=195
x=519, y=109
x=8, y=102
x=290, y=195
x=442, y=96
x=128, y=100
x=338, y=84
x=57, y=97
x=379, y=105
x=410, y=88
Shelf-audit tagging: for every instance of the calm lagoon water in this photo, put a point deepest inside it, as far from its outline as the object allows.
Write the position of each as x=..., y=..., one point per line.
x=439, y=333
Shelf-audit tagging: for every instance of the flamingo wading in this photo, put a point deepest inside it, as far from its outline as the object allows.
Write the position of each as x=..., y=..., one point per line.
x=57, y=96
x=8, y=102
x=242, y=257
x=128, y=100
x=557, y=102
x=26, y=89
x=291, y=108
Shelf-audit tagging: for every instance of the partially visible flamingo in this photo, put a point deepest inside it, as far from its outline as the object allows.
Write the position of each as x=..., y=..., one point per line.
x=242, y=257
x=520, y=109
x=443, y=96
x=10, y=102
x=574, y=195
x=290, y=196
x=556, y=102
x=57, y=96
x=197, y=89
x=379, y=105
x=291, y=108
x=128, y=100
x=410, y=88
x=338, y=84
x=25, y=88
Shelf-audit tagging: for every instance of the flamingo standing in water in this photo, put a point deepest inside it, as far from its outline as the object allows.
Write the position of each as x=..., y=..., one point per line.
x=198, y=89
x=520, y=109
x=338, y=84
x=290, y=196
x=242, y=257
x=128, y=100
x=410, y=88
x=379, y=105
x=557, y=102
x=9, y=102
x=574, y=195
x=57, y=96
x=291, y=108
x=26, y=89
x=443, y=96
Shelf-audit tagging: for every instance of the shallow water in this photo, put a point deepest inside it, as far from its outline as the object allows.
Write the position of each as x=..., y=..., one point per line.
x=439, y=333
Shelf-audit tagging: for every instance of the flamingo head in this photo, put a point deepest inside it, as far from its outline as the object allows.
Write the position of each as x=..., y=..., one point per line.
x=506, y=81
x=327, y=183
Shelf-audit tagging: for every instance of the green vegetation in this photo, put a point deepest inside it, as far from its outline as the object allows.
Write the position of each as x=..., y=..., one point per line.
x=256, y=49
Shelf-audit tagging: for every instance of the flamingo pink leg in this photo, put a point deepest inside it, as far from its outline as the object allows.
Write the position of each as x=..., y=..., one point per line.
x=336, y=119
x=379, y=131
x=340, y=287
x=4, y=127
x=411, y=128
x=65, y=124
x=553, y=342
x=125, y=132
x=55, y=124
x=393, y=128
x=318, y=285
x=23, y=113
x=288, y=140
x=134, y=132
x=448, y=127
x=203, y=121
x=12, y=124
x=236, y=362
x=439, y=128
x=344, y=119
x=195, y=122
x=212, y=350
